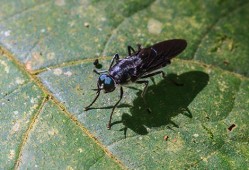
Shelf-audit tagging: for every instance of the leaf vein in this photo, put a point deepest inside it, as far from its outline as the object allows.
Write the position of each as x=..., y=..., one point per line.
x=26, y=134
x=23, y=11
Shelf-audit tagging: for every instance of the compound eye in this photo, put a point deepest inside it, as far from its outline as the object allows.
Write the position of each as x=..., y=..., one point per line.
x=106, y=82
x=109, y=84
x=101, y=80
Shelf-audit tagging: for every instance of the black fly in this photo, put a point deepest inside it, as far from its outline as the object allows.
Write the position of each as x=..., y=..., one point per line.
x=140, y=64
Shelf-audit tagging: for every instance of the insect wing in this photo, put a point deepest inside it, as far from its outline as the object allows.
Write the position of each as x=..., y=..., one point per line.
x=170, y=48
x=159, y=55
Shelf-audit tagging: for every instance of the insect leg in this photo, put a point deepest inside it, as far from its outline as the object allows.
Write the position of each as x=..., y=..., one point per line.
x=146, y=82
x=88, y=107
x=155, y=73
x=99, y=72
x=164, y=76
x=130, y=49
x=121, y=96
x=139, y=47
x=116, y=58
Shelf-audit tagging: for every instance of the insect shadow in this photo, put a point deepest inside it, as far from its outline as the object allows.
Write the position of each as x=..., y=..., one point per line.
x=166, y=100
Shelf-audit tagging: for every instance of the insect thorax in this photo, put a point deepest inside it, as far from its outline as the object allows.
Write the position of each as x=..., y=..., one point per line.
x=125, y=71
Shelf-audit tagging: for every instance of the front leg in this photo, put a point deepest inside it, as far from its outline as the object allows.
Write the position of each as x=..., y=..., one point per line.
x=100, y=72
x=89, y=106
x=110, y=119
x=116, y=58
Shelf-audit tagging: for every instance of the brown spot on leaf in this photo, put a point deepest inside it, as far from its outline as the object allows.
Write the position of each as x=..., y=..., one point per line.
x=165, y=137
x=230, y=128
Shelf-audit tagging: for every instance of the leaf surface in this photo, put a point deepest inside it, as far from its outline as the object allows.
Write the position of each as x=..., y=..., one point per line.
x=47, y=49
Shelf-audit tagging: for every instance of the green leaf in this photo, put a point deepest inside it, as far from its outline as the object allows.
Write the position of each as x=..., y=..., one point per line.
x=46, y=54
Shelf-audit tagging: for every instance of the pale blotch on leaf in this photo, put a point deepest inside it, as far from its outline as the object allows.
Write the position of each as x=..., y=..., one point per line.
x=19, y=80
x=28, y=65
x=154, y=26
x=80, y=150
x=57, y=71
x=6, y=33
x=36, y=59
x=208, y=70
x=71, y=23
x=175, y=145
x=51, y=55
x=222, y=86
x=43, y=30
x=230, y=44
x=11, y=154
x=204, y=159
x=60, y=2
x=68, y=73
x=53, y=132
x=86, y=24
x=103, y=19
x=15, y=128
x=69, y=168
x=148, y=129
x=118, y=113
x=33, y=100
x=32, y=109
x=193, y=21
x=6, y=67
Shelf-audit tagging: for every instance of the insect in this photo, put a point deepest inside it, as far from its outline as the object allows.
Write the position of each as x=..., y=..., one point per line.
x=137, y=66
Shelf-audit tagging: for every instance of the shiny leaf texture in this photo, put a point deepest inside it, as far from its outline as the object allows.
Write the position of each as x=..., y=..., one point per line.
x=47, y=50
